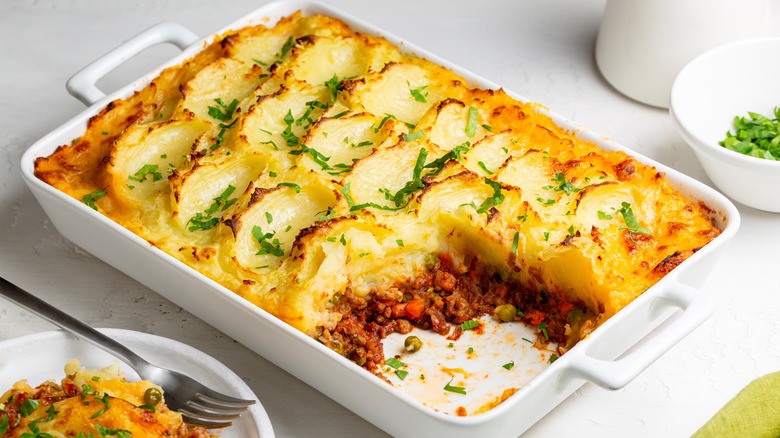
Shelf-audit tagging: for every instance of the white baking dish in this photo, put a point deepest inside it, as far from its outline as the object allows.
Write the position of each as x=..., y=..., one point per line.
x=649, y=326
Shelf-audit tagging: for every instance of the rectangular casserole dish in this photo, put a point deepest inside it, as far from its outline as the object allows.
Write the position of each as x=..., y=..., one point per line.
x=591, y=360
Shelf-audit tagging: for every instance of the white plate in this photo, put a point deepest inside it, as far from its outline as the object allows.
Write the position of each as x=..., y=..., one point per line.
x=42, y=356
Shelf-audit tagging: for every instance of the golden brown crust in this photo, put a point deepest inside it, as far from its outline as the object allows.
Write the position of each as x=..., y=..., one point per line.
x=306, y=161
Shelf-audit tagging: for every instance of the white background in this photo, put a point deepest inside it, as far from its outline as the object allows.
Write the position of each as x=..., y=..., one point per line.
x=542, y=50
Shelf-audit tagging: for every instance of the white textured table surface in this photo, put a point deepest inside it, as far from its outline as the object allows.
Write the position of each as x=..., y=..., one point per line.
x=541, y=50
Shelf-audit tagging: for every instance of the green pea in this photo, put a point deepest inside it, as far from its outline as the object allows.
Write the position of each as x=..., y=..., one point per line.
x=412, y=344
x=152, y=396
x=505, y=312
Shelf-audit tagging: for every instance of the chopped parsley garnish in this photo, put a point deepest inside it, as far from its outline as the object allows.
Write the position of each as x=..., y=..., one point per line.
x=272, y=143
x=470, y=324
x=545, y=202
x=119, y=433
x=402, y=197
x=334, y=86
x=146, y=169
x=553, y=357
x=382, y=123
x=546, y=236
x=268, y=244
x=515, y=242
x=221, y=135
x=564, y=185
x=456, y=389
x=329, y=214
x=414, y=135
x=361, y=144
x=288, y=45
x=604, y=216
x=306, y=117
x=632, y=225
x=269, y=217
x=355, y=207
x=293, y=186
x=105, y=407
x=471, y=124
x=509, y=365
x=4, y=424
x=484, y=167
x=289, y=137
x=543, y=328
x=92, y=197
x=494, y=200
x=399, y=242
x=417, y=93
x=205, y=221
x=455, y=154
x=222, y=111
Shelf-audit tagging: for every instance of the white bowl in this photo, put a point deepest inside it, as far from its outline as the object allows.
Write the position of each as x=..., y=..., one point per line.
x=708, y=93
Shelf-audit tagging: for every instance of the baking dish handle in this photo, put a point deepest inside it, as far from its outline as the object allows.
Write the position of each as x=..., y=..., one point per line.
x=615, y=374
x=83, y=85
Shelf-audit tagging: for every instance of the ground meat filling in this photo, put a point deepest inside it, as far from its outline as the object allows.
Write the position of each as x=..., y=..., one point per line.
x=441, y=300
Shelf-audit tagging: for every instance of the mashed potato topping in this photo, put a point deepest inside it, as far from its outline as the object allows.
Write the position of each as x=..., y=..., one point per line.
x=354, y=190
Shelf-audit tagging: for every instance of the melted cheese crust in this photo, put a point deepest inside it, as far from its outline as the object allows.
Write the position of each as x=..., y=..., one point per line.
x=293, y=163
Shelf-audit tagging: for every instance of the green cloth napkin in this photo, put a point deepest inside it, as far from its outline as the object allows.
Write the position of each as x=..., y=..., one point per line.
x=754, y=412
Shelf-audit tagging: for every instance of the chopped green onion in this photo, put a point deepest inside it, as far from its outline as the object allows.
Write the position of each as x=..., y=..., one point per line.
x=470, y=324
x=756, y=136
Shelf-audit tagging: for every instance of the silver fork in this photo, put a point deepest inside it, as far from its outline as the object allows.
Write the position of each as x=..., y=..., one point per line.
x=198, y=404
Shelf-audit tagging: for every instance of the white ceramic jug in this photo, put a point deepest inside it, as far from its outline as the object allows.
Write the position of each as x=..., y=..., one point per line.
x=643, y=44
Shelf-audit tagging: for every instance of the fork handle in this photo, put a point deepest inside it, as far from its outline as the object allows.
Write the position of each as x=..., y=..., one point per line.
x=69, y=323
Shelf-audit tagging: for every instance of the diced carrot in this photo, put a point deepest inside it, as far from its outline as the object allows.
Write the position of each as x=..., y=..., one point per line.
x=398, y=310
x=565, y=307
x=446, y=262
x=415, y=309
x=535, y=317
